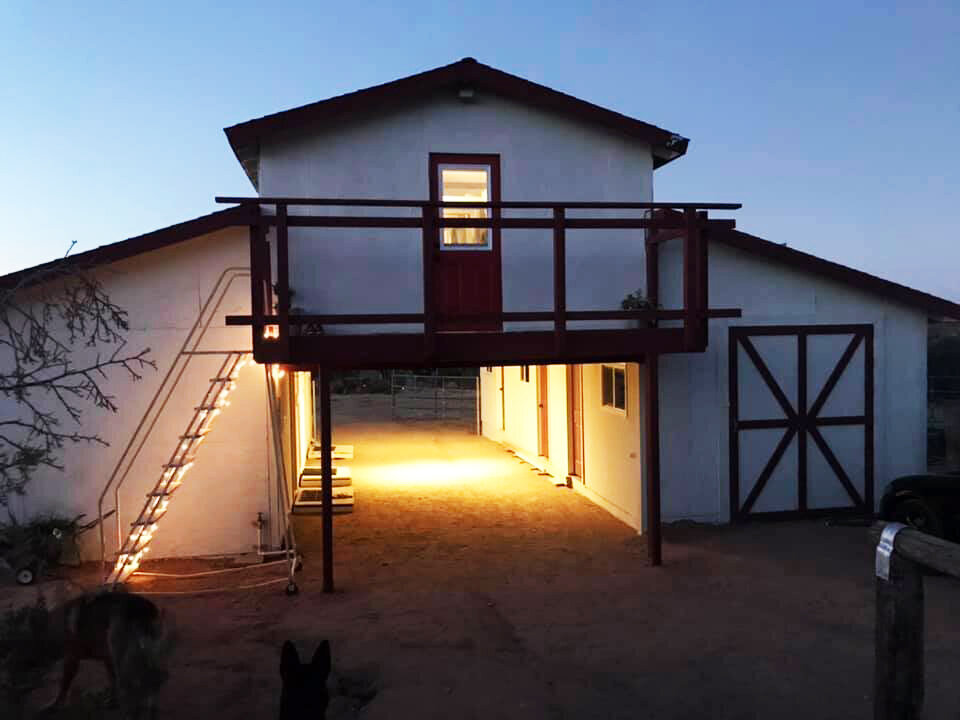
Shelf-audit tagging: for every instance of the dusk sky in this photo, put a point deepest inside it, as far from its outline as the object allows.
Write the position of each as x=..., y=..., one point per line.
x=838, y=128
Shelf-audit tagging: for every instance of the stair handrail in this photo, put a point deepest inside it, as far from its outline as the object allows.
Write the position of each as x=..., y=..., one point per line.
x=235, y=272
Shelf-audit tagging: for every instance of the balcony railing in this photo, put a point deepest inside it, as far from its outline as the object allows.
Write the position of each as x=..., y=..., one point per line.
x=282, y=336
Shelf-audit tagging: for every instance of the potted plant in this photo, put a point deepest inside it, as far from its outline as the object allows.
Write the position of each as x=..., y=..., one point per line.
x=637, y=301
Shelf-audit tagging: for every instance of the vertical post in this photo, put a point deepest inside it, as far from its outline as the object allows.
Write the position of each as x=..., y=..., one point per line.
x=428, y=213
x=690, y=279
x=559, y=279
x=283, y=281
x=898, y=672
x=326, y=451
x=652, y=447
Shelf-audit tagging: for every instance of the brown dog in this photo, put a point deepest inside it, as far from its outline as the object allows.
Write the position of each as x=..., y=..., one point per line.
x=125, y=631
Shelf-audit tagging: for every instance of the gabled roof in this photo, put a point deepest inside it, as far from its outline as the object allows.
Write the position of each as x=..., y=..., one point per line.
x=245, y=137
x=132, y=246
x=933, y=306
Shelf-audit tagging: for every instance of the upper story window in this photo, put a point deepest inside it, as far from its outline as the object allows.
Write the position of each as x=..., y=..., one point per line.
x=525, y=373
x=465, y=182
x=613, y=387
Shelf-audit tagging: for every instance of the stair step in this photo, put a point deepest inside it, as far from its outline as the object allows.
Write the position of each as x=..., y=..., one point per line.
x=174, y=466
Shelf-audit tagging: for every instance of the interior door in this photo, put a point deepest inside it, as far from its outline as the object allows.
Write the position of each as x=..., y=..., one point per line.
x=467, y=291
x=543, y=428
x=575, y=412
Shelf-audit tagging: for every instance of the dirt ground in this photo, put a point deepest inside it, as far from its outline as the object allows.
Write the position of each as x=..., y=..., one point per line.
x=470, y=587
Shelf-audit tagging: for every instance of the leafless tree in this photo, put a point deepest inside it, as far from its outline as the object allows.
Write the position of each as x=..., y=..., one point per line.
x=60, y=338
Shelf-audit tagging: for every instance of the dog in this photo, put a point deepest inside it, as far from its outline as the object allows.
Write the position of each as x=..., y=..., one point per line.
x=304, y=686
x=125, y=631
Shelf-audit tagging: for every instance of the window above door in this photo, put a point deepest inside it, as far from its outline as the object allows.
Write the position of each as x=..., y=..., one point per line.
x=462, y=182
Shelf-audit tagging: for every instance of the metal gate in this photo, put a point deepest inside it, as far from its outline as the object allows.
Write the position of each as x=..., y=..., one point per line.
x=448, y=398
x=801, y=420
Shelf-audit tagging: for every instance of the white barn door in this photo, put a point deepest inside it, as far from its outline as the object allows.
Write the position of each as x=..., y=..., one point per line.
x=801, y=420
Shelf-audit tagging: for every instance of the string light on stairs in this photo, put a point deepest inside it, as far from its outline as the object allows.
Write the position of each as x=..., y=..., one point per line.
x=158, y=501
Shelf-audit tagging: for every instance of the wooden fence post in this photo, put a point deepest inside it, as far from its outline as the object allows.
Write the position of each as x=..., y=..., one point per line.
x=898, y=673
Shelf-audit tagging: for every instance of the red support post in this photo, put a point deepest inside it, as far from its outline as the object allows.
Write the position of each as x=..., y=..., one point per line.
x=559, y=279
x=690, y=280
x=283, y=279
x=326, y=452
x=256, y=282
x=703, y=259
x=429, y=248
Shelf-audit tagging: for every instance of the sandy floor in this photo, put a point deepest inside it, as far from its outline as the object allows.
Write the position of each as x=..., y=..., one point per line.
x=470, y=587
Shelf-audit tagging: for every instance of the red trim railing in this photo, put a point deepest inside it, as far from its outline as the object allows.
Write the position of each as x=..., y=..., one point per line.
x=662, y=221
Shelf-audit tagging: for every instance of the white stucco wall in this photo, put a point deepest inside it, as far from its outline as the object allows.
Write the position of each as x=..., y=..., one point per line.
x=232, y=479
x=612, y=448
x=612, y=440
x=542, y=157
x=694, y=400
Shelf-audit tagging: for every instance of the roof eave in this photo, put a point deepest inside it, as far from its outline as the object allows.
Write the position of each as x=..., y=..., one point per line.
x=245, y=137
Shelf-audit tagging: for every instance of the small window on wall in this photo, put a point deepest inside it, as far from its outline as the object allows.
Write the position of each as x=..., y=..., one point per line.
x=614, y=387
x=465, y=183
x=525, y=373
x=489, y=368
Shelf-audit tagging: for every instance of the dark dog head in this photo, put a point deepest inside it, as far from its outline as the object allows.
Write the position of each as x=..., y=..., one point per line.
x=304, y=694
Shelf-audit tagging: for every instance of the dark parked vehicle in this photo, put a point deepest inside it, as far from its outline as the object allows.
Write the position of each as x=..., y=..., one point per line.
x=930, y=503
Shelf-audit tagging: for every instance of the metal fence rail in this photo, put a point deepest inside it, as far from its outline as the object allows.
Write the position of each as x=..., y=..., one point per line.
x=447, y=398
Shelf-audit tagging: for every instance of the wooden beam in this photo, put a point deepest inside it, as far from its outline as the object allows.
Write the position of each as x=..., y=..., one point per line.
x=368, y=202
x=922, y=548
x=513, y=223
x=651, y=443
x=531, y=316
x=406, y=350
x=326, y=453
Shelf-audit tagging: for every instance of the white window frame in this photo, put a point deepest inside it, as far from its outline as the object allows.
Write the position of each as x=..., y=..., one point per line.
x=525, y=373
x=488, y=246
x=622, y=367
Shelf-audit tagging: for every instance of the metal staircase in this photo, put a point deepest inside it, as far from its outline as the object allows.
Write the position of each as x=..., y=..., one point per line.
x=184, y=453
x=133, y=544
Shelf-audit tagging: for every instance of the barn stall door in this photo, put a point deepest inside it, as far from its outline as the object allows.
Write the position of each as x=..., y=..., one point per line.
x=801, y=420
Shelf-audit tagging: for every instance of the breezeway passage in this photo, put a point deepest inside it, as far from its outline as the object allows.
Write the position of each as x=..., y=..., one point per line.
x=428, y=494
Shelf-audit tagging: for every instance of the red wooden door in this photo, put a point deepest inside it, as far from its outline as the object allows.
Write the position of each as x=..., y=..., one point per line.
x=801, y=420
x=466, y=291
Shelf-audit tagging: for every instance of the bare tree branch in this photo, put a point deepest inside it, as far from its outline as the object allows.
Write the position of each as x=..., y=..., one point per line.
x=61, y=337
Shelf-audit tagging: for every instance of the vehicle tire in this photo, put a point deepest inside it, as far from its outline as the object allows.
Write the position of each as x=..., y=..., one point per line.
x=25, y=576
x=919, y=515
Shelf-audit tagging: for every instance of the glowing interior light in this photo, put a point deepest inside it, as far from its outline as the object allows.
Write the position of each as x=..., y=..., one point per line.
x=278, y=372
x=271, y=332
